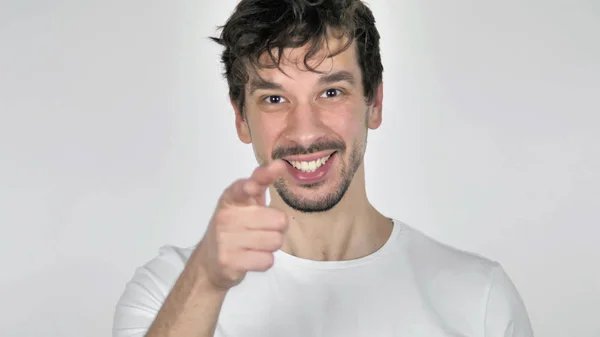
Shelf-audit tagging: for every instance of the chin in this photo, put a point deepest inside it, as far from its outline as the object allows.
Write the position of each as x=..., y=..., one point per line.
x=314, y=197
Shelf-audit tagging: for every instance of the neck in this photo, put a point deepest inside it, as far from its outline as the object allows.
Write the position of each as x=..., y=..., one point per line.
x=352, y=229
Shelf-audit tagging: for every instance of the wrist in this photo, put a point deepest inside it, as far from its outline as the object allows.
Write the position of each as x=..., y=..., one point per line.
x=200, y=277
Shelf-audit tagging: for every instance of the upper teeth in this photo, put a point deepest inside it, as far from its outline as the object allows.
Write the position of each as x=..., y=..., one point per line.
x=309, y=166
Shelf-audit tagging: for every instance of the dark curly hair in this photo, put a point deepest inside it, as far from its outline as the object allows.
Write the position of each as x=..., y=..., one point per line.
x=269, y=26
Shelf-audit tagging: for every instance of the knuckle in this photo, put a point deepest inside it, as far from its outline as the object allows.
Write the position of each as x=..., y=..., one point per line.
x=230, y=189
x=236, y=183
x=280, y=217
x=281, y=220
x=267, y=261
x=223, y=259
x=221, y=238
x=223, y=220
x=273, y=215
x=220, y=218
x=263, y=262
x=277, y=240
x=240, y=185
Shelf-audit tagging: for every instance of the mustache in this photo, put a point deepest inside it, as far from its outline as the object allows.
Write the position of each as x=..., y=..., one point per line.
x=281, y=152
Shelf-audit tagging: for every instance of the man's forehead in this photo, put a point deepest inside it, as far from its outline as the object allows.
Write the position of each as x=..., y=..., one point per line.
x=325, y=48
x=330, y=58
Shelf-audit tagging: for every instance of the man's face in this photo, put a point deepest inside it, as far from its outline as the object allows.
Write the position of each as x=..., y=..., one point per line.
x=316, y=122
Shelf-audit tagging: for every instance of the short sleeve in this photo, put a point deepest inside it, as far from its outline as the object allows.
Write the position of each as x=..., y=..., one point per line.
x=146, y=292
x=506, y=315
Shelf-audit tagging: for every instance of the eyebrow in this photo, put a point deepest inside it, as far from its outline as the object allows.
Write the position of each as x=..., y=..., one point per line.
x=338, y=76
x=259, y=83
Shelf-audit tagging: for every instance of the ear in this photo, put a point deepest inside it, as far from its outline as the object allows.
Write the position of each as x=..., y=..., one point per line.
x=241, y=124
x=375, y=117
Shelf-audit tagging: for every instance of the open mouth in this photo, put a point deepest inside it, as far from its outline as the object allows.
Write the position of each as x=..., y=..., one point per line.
x=310, y=166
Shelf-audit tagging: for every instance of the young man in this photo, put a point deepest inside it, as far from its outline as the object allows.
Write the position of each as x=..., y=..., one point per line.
x=305, y=81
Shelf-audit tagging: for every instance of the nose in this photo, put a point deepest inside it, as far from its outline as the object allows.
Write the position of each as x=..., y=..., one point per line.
x=304, y=125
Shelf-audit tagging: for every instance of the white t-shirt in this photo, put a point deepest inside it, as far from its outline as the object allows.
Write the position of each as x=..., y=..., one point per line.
x=413, y=286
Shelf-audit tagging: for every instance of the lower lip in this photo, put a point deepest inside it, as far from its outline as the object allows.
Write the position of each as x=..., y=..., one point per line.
x=311, y=177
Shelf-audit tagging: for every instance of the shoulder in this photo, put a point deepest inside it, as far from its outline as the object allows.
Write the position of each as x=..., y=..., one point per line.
x=466, y=288
x=447, y=275
x=431, y=256
x=161, y=272
x=147, y=289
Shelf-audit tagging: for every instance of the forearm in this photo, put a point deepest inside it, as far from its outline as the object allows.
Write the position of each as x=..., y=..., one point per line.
x=191, y=309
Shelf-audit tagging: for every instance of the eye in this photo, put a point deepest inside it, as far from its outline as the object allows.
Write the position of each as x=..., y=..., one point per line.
x=331, y=93
x=273, y=99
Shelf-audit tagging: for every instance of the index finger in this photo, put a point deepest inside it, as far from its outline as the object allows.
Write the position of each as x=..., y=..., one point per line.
x=266, y=175
x=251, y=191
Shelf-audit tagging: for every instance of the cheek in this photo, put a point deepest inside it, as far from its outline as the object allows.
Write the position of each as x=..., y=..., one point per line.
x=350, y=123
x=264, y=136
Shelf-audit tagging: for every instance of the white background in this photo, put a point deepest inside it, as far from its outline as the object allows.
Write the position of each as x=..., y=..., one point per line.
x=116, y=138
